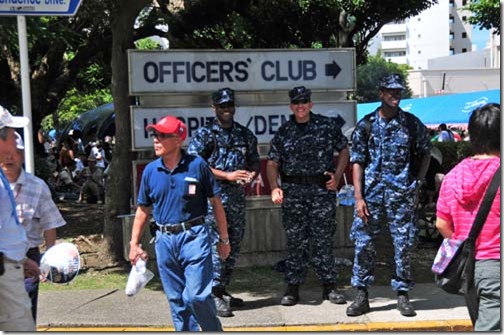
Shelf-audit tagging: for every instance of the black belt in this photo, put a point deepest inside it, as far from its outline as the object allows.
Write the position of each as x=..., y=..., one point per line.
x=307, y=180
x=180, y=227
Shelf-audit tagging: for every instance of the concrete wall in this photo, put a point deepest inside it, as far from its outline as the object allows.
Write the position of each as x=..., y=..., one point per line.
x=426, y=83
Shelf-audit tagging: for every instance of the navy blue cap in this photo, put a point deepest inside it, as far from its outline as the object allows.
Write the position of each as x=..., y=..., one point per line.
x=300, y=93
x=222, y=96
x=392, y=81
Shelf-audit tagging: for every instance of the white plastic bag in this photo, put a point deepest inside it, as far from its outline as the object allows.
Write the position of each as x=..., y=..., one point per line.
x=346, y=194
x=138, y=278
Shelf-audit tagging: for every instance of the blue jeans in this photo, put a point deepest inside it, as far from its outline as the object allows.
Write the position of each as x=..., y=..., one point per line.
x=185, y=267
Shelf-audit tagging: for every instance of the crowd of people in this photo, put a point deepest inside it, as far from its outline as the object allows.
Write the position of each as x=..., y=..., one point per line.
x=196, y=199
x=77, y=170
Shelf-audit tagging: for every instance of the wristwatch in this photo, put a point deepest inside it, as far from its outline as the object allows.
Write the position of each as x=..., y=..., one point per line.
x=225, y=241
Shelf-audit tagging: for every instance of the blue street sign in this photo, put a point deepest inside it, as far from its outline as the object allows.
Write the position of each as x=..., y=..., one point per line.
x=39, y=7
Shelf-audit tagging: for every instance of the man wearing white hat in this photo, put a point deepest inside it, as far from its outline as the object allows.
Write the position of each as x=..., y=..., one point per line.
x=15, y=314
x=36, y=211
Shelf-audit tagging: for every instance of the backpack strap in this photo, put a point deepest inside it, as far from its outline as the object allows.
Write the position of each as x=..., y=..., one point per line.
x=410, y=124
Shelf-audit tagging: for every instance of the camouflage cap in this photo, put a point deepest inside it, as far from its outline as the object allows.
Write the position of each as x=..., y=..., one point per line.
x=222, y=96
x=392, y=81
x=299, y=93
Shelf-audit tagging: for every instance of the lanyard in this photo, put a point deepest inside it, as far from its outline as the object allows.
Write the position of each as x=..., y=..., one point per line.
x=11, y=195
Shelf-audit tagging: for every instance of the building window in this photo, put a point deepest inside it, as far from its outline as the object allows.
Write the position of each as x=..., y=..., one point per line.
x=394, y=37
x=452, y=51
x=464, y=2
x=464, y=18
x=451, y=36
x=464, y=35
x=394, y=54
x=464, y=50
x=419, y=52
x=451, y=19
x=451, y=3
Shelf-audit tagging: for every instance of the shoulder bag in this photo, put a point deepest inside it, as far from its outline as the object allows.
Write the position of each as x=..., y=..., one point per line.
x=454, y=263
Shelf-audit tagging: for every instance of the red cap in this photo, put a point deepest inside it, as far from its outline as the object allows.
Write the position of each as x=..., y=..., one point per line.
x=169, y=125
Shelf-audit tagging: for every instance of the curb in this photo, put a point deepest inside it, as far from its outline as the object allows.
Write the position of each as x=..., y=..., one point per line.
x=447, y=325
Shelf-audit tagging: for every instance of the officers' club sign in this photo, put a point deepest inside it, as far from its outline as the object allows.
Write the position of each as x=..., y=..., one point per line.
x=246, y=70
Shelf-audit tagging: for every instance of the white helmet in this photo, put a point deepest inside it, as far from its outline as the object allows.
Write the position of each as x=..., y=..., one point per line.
x=61, y=263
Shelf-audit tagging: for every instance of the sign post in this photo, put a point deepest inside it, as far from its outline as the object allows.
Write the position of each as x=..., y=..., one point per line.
x=33, y=8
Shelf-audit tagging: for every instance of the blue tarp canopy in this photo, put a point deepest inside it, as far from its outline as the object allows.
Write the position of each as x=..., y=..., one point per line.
x=450, y=109
x=94, y=124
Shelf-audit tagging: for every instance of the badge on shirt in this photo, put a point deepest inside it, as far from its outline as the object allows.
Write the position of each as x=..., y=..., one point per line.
x=191, y=185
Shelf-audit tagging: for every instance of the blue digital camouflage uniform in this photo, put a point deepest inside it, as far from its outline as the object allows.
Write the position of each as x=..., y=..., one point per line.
x=227, y=150
x=308, y=211
x=389, y=192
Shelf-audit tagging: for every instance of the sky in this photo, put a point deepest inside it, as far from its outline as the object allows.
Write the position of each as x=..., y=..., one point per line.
x=480, y=37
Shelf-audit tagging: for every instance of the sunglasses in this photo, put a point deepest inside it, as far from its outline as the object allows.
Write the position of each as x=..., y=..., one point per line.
x=161, y=135
x=300, y=102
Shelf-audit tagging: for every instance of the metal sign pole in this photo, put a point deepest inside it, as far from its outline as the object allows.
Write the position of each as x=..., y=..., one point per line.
x=26, y=93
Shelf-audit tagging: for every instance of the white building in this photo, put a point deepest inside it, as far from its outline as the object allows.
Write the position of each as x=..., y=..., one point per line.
x=442, y=30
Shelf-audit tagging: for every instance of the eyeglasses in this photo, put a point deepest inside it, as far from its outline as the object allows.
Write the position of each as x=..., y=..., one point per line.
x=300, y=102
x=161, y=135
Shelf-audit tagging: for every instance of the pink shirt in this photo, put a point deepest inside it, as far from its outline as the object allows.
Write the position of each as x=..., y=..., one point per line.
x=460, y=197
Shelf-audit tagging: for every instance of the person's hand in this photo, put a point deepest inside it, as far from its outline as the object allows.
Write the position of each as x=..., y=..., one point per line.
x=277, y=195
x=136, y=252
x=223, y=250
x=31, y=269
x=239, y=176
x=331, y=184
x=362, y=210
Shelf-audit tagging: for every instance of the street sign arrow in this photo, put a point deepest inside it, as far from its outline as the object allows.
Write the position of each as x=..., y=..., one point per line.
x=332, y=69
x=39, y=7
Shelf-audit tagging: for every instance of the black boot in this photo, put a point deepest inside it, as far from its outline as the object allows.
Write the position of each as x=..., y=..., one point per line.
x=291, y=295
x=360, y=305
x=233, y=302
x=223, y=308
x=330, y=293
x=404, y=305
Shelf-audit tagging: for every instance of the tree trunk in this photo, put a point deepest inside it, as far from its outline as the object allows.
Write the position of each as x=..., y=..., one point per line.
x=119, y=186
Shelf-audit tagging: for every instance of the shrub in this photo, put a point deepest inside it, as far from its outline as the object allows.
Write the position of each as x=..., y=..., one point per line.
x=453, y=153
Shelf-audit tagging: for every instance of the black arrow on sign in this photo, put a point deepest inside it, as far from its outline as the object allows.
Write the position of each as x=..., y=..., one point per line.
x=332, y=69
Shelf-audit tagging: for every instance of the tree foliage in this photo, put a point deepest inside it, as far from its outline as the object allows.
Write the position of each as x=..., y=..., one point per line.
x=229, y=24
x=486, y=14
x=369, y=75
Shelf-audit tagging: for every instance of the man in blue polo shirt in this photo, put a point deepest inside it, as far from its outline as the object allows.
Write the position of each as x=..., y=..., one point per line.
x=176, y=187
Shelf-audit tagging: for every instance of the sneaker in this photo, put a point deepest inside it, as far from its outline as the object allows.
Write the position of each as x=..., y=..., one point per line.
x=404, y=305
x=291, y=295
x=233, y=302
x=360, y=305
x=223, y=308
x=329, y=293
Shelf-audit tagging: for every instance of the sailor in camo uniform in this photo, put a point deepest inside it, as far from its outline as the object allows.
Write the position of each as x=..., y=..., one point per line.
x=381, y=156
x=231, y=151
x=301, y=154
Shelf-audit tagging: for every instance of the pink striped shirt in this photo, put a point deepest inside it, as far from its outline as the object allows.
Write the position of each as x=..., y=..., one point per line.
x=460, y=197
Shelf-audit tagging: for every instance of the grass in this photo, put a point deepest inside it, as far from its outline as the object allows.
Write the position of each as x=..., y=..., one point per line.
x=254, y=279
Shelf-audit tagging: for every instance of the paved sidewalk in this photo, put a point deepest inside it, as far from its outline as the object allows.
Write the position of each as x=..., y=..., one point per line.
x=103, y=310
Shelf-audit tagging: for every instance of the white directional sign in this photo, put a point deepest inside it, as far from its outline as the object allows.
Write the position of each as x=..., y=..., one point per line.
x=246, y=70
x=263, y=121
x=39, y=7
